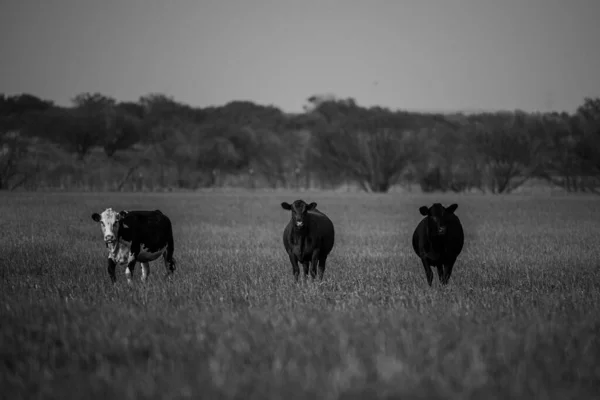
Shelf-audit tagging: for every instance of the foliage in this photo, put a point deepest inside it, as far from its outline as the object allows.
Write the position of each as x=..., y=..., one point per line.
x=509, y=145
x=14, y=171
x=370, y=146
x=159, y=143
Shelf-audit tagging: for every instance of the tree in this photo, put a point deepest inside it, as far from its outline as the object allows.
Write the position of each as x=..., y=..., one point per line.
x=75, y=131
x=13, y=152
x=243, y=136
x=123, y=129
x=369, y=146
x=22, y=104
x=560, y=165
x=509, y=147
x=82, y=127
x=16, y=116
x=460, y=160
x=572, y=153
x=158, y=108
x=588, y=147
x=223, y=147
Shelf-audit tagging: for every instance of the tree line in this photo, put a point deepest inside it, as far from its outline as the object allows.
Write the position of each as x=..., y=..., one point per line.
x=158, y=143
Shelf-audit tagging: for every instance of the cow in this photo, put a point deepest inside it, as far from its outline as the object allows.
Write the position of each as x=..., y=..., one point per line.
x=308, y=238
x=438, y=240
x=136, y=236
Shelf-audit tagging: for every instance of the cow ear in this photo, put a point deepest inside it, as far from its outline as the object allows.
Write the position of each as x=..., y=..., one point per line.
x=424, y=210
x=451, y=208
x=122, y=214
x=286, y=206
x=311, y=206
x=96, y=217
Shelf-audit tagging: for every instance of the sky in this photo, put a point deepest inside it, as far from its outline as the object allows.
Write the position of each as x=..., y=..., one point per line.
x=425, y=55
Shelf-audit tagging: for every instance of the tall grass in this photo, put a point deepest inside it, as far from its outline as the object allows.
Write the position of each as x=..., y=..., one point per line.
x=519, y=319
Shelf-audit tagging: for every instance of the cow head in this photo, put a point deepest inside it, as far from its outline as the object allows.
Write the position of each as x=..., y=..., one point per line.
x=110, y=222
x=437, y=216
x=299, y=209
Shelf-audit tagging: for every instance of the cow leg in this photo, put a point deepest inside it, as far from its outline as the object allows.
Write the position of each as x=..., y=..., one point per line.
x=428, y=270
x=129, y=271
x=322, y=267
x=440, y=270
x=169, y=262
x=168, y=256
x=134, y=251
x=295, y=267
x=305, y=267
x=111, y=270
x=448, y=271
x=145, y=270
x=314, y=263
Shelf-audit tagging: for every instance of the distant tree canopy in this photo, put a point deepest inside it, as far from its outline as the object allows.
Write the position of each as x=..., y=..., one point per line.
x=158, y=142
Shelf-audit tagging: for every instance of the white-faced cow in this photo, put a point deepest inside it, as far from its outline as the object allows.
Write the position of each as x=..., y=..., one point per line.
x=308, y=238
x=136, y=236
x=438, y=240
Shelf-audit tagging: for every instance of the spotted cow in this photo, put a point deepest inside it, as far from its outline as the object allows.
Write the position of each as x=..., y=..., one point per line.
x=136, y=236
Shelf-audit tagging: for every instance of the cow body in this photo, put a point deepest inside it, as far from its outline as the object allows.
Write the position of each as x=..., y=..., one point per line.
x=438, y=240
x=308, y=238
x=136, y=236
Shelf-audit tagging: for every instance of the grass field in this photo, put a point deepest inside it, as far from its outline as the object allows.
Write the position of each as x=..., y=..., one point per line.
x=520, y=317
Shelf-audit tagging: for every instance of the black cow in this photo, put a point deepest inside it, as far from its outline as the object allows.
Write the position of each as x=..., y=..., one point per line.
x=133, y=236
x=438, y=240
x=308, y=238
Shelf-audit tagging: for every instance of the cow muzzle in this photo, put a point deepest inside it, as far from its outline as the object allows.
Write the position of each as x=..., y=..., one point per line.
x=442, y=230
x=108, y=239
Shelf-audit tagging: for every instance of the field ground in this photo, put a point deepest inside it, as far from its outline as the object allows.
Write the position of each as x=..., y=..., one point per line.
x=520, y=317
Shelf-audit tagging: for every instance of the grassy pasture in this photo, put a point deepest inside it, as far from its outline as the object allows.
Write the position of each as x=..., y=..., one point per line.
x=520, y=317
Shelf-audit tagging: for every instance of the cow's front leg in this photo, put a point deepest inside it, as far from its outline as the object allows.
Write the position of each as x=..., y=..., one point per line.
x=145, y=270
x=428, y=271
x=440, y=269
x=295, y=267
x=448, y=271
x=305, y=268
x=111, y=270
x=129, y=270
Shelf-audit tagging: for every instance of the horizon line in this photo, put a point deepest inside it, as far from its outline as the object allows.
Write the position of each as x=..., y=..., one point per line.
x=433, y=110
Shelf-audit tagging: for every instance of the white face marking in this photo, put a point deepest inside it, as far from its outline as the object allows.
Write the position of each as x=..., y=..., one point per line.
x=109, y=223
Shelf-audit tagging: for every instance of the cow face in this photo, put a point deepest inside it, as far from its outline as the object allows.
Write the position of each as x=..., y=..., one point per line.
x=110, y=222
x=437, y=216
x=299, y=209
